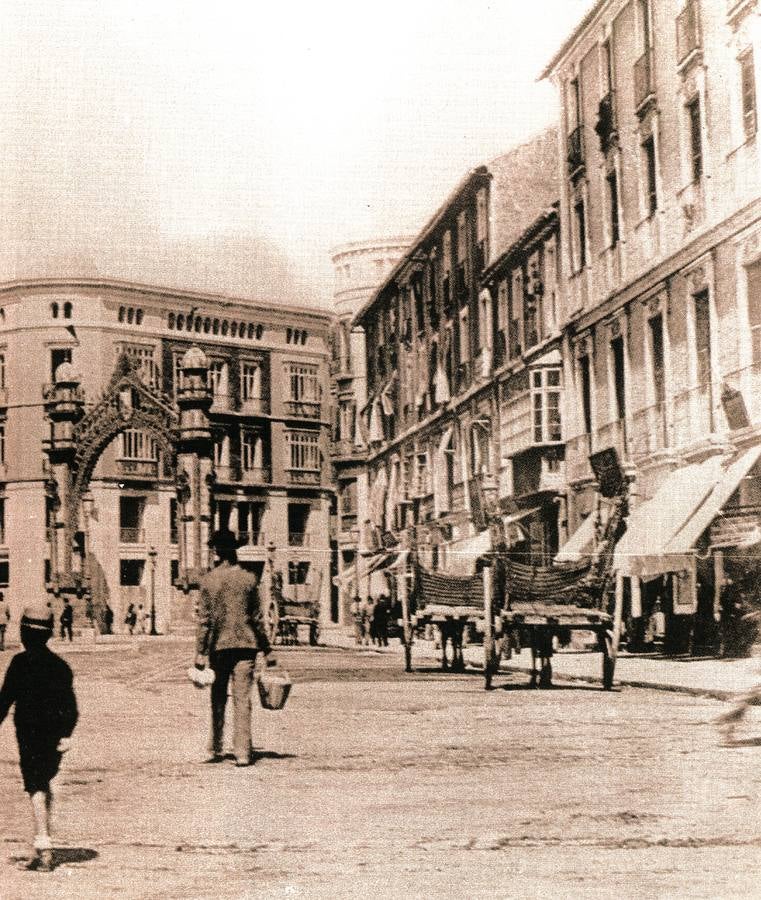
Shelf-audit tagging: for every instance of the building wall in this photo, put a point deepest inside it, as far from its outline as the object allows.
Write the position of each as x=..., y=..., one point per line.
x=96, y=321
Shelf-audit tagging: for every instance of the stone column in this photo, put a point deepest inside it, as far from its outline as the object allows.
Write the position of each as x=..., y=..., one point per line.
x=64, y=405
x=195, y=471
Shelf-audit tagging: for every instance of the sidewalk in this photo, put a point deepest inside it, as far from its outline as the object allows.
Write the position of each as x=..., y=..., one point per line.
x=719, y=678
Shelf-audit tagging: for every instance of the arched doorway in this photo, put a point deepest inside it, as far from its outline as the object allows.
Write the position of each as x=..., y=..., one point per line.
x=79, y=434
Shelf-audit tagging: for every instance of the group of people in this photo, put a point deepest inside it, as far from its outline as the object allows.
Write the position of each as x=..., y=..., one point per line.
x=371, y=620
x=137, y=619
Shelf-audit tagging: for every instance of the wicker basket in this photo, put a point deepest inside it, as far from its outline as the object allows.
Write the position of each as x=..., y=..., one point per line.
x=274, y=687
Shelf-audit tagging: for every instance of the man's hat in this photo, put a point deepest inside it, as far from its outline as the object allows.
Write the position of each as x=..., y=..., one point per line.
x=224, y=539
x=38, y=616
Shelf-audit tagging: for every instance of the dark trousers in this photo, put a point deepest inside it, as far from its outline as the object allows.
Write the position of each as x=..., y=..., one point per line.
x=66, y=631
x=236, y=666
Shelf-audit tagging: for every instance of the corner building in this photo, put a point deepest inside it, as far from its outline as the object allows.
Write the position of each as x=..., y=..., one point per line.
x=268, y=373
x=660, y=215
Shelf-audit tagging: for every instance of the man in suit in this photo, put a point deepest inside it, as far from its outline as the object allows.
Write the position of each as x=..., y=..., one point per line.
x=230, y=635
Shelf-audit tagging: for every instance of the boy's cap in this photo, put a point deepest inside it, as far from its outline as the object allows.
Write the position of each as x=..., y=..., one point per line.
x=38, y=616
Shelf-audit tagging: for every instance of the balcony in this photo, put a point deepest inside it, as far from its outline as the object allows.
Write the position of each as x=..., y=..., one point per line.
x=252, y=538
x=347, y=449
x=575, y=157
x=613, y=434
x=221, y=402
x=131, y=535
x=138, y=468
x=577, y=452
x=302, y=409
x=303, y=476
x=649, y=430
x=644, y=89
x=693, y=415
x=255, y=475
x=226, y=474
x=688, y=38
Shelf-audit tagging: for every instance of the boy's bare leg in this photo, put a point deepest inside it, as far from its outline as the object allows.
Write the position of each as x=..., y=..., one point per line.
x=42, y=802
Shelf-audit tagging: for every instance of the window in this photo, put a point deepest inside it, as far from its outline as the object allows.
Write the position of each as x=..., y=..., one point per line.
x=131, y=572
x=304, y=386
x=612, y=184
x=516, y=314
x=304, y=450
x=251, y=450
x=68, y=309
x=580, y=233
x=2, y=371
x=138, y=445
x=54, y=311
x=177, y=373
x=464, y=336
x=2, y=521
x=545, y=405
x=482, y=226
x=218, y=378
x=2, y=443
x=748, y=91
x=754, y=310
x=607, y=67
x=173, y=521
x=696, y=140
x=703, y=338
x=58, y=356
x=585, y=383
x=131, y=519
x=298, y=522
x=651, y=181
x=250, y=381
x=222, y=451
x=298, y=572
x=146, y=366
x=619, y=376
x=658, y=363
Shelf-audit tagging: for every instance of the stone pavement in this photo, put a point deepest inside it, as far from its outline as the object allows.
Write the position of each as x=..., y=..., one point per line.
x=718, y=678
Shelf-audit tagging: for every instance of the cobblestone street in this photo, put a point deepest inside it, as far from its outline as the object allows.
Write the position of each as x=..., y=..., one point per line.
x=376, y=783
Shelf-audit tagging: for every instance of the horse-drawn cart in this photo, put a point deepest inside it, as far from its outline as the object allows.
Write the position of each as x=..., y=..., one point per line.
x=283, y=615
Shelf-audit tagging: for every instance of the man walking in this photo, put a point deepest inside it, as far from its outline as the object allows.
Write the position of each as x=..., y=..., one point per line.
x=230, y=634
x=67, y=620
x=5, y=617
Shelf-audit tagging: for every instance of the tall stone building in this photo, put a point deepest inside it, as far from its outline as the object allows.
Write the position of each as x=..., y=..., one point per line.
x=359, y=267
x=660, y=216
x=254, y=453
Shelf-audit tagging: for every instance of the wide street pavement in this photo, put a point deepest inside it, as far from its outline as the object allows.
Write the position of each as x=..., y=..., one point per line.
x=373, y=783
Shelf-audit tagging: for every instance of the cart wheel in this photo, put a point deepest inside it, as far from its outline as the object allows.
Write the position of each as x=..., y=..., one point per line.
x=271, y=621
x=314, y=634
x=608, y=668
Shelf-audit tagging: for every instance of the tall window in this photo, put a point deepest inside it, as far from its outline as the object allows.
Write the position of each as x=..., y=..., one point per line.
x=251, y=450
x=304, y=450
x=607, y=67
x=177, y=372
x=651, y=177
x=218, y=378
x=545, y=405
x=754, y=310
x=2, y=443
x=303, y=382
x=619, y=376
x=2, y=520
x=703, y=338
x=464, y=336
x=250, y=381
x=696, y=139
x=222, y=451
x=748, y=90
x=580, y=229
x=658, y=361
x=146, y=365
x=139, y=445
x=585, y=379
x=612, y=183
x=2, y=371
x=58, y=356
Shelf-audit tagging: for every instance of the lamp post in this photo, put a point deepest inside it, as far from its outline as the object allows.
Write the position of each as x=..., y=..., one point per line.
x=152, y=554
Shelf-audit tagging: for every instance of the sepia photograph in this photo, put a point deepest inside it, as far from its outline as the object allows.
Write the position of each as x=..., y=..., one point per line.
x=380, y=449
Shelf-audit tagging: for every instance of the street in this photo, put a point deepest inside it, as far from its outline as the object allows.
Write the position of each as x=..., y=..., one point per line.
x=374, y=783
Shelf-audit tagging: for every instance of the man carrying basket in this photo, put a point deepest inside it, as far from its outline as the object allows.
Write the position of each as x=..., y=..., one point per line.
x=229, y=636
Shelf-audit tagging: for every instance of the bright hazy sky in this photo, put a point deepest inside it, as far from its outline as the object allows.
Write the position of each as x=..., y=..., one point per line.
x=230, y=145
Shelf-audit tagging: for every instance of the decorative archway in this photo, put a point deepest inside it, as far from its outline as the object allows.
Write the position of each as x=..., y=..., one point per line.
x=78, y=437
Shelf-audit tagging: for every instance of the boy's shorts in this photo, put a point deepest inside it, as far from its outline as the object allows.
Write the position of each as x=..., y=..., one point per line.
x=39, y=766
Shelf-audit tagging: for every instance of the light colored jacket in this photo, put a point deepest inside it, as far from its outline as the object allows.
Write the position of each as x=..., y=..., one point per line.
x=229, y=612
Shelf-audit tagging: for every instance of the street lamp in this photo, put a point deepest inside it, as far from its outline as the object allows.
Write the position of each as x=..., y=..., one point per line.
x=152, y=554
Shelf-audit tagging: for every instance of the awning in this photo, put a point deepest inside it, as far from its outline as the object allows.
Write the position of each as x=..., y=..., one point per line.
x=653, y=525
x=461, y=555
x=381, y=561
x=728, y=482
x=514, y=531
x=582, y=542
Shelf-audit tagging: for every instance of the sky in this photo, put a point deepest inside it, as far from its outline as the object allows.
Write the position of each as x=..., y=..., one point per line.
x=228, y=147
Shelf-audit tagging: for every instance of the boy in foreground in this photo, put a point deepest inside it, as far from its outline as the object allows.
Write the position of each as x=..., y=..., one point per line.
x=41, y=685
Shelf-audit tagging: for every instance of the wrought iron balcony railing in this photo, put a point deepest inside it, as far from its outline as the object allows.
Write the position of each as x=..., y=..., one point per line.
x=302, y=409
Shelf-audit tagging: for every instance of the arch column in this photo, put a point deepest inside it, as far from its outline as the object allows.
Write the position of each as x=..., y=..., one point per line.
x=195, y=469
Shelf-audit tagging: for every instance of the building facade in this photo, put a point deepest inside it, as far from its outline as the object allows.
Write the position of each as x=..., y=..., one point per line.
x=359, y=267
x=270, y=477
x=437, y=356
x=660, y=213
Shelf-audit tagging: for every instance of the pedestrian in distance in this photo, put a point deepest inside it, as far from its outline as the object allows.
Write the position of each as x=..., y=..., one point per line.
x=108, y=620
x=40, y=684
x=380, y=618
x=356, y=617
x=230, y=635
x=130, y=620
x=140, y=619
x=67, y=620
x=5, y=617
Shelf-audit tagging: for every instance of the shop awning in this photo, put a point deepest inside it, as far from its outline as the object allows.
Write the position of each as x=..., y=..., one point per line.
x=686, y=538
x=514, y=532
x=581, y=543
x=644, y=551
